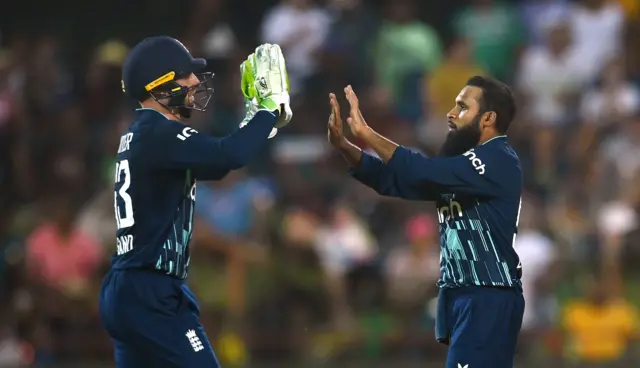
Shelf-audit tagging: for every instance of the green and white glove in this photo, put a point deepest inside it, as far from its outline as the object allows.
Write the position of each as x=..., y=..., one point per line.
x=265, y=81
x=251, y=107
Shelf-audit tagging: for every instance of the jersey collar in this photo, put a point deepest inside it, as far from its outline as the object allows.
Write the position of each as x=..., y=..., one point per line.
x=143, y=110
x=494, y=138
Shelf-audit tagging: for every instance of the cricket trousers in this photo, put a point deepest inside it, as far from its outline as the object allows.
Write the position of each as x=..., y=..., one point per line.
x=154, y=321
x=481, y=325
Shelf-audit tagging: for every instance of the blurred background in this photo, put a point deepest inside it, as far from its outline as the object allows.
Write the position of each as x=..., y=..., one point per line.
x=295, y=263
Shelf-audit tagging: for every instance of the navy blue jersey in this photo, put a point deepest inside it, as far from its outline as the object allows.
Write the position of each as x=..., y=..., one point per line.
x=158, y=163
x=478, y=199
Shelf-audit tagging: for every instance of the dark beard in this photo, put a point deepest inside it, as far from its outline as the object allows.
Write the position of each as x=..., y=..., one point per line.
x=461, y=140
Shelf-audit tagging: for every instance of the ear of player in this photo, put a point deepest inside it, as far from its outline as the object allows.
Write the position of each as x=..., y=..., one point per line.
x=265, y=83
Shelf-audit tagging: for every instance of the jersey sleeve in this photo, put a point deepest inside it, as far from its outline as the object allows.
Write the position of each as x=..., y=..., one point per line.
x=209, y=158
x=378, y=176
x=483, y=171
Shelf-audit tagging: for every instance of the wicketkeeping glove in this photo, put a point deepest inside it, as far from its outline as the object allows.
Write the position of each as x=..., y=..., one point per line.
x=265, y=81
x=251, y=107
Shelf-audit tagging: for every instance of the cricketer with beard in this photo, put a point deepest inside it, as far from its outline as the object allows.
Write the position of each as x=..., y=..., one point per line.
x=476, y=183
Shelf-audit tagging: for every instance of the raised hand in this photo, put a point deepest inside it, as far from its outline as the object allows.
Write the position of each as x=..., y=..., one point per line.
x=251, y=105
x=335, y=134
x=265, y=78
x=356, y=122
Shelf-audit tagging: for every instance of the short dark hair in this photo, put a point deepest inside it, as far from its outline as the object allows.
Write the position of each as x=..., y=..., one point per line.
x=496, y=97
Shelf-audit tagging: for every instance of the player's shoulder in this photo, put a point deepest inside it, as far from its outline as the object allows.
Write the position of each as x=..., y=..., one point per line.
x=155, y=126
x=149, y=135
x=499, y=160
x=498, y=150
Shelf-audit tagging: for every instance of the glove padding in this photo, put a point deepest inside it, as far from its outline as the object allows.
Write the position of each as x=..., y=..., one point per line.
x=251, y=107
x=265, y=81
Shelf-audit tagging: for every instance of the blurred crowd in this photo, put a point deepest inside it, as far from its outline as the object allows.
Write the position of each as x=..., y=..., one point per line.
x=293, y=261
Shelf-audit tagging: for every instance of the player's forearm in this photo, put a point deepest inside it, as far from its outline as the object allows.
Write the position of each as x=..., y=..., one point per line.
x=372, y=172
x=384, y=147
x=243, y=144
x=403, y=169
x=432, y=173
x=375, y=174
x=351, y=153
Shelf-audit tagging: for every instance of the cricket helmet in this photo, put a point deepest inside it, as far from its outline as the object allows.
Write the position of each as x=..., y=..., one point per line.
x=152, y=68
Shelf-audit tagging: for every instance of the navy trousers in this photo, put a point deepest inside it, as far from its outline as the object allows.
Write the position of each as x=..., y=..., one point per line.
x=154, y=321
x=481, y=325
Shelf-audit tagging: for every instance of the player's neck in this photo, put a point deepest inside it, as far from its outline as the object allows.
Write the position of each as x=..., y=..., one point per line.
x=154, y=105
